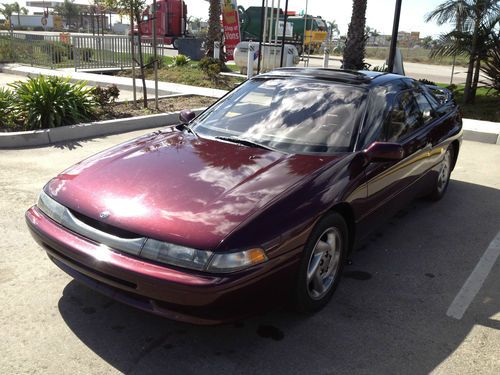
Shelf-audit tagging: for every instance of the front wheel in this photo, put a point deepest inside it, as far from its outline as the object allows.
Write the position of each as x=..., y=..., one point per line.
x=322, y=263
x=443, y=177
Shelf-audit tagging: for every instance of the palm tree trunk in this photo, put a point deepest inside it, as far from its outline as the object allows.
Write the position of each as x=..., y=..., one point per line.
x=354, y=52
x=468, y=90
x=214, y=34
x=475, y=81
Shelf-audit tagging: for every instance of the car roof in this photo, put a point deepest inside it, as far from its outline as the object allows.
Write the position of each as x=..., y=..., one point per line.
x=365, y=78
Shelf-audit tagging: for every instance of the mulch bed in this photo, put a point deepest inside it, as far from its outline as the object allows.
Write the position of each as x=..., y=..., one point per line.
x=124, y=110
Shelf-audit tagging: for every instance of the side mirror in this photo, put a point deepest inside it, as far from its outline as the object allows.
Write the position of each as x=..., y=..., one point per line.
x=186, y=116
x=384, y=151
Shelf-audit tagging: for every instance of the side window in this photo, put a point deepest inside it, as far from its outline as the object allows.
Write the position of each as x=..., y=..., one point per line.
x=404, y=118
x=425, y=107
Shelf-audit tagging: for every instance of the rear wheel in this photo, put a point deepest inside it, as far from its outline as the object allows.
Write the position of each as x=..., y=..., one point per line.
x=175, y=43
x=322, y=263
x=443, y=177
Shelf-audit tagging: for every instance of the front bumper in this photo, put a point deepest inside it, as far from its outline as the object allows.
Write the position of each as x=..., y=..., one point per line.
x=177, y=294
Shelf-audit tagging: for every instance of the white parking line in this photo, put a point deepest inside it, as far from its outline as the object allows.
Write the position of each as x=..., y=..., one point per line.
x=475, y=280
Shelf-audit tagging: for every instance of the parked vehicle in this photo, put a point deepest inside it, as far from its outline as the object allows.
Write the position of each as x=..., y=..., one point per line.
x=259, y=198
x=304, y=32
x=171, y=21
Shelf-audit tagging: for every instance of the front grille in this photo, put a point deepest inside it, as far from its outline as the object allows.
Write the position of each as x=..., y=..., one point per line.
x=103, y=227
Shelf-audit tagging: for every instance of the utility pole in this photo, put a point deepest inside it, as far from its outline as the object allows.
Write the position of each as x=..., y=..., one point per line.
x=394, y=39
x=155, y=56
x=284, y=34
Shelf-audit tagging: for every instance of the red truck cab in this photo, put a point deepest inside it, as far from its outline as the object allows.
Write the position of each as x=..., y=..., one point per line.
x=171, y=20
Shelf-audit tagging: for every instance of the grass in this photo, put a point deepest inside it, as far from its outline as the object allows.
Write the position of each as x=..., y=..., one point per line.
x=415, y=55
x=486, y=106
x=189, y=74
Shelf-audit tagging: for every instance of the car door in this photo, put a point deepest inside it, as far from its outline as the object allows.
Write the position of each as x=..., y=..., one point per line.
x=390, y=183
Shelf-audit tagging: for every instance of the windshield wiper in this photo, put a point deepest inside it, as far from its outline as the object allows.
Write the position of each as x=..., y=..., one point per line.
x=186, y=127
x=244, y=142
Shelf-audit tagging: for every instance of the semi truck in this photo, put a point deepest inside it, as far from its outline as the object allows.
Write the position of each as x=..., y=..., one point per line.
x=171, y=21
x=302, y=31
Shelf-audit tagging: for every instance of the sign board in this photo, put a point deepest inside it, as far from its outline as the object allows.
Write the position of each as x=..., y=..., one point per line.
x=289, y=29
x=231, y=23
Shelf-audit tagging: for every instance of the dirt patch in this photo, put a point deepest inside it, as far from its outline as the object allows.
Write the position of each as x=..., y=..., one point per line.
x=123, y=110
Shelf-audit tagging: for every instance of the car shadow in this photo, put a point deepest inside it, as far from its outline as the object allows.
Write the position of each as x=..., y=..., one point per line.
x=387, y=316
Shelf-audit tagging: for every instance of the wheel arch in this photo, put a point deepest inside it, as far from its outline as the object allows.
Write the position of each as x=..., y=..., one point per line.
x=345, y=209
x=456, y=148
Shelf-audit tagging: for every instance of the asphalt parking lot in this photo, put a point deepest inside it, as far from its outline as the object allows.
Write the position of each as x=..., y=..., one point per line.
x=390, y=314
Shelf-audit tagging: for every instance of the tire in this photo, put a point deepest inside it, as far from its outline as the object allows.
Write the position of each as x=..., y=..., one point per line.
x=175, y=44
x=322, y=263
x=443, y=177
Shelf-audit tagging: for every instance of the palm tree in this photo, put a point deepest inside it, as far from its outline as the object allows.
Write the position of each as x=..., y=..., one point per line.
x=472, y=19
x=332, y=27
x=214, y=29
x=68, y=9
x=354, y=52
x=17, y=9
x=7, y=11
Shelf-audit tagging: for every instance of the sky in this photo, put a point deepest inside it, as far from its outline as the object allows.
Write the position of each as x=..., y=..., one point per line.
x=379, y=14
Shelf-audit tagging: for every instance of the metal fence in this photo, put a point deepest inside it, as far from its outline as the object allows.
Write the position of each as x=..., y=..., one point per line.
x=81, y=52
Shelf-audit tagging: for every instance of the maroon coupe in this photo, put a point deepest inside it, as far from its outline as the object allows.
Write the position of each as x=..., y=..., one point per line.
x=260, y=197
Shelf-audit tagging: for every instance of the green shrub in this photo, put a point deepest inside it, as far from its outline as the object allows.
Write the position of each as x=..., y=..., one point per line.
x=105, y=95
x=427, y=82
x=6, y=107
x=212, y=68
x=181, y=60
x=47, y=102
x=380, y=68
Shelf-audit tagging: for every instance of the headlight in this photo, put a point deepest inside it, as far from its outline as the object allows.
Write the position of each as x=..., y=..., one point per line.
x=200, y=259
x=174, y=254
x=228, y=262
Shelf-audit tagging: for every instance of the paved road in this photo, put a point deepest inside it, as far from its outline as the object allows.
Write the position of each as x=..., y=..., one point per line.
x=436, y=73
x=388, y=315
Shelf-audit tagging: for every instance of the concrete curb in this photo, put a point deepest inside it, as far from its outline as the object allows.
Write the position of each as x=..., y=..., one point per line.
x=45, y=137
x=482, y=131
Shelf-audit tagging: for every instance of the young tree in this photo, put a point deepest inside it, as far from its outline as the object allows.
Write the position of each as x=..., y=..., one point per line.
x=354, y=52
x=134, y=8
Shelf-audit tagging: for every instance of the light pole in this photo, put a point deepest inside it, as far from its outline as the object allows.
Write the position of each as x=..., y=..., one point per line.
x=394, y=39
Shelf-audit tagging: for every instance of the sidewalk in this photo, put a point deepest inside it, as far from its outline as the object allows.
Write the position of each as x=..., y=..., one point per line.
x=123, y=83
x=474, y=130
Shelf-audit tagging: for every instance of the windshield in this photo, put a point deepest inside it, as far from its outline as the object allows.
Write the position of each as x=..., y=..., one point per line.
x=288, y=114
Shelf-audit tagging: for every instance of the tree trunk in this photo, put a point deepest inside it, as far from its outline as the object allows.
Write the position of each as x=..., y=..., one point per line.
x=475, y=81
x=354, y=52
x=214, y=34
x=141, y=60
x=19, y=20
x=469, y=93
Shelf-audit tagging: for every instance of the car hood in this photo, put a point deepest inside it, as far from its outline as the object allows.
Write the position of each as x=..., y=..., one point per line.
x=178, y=188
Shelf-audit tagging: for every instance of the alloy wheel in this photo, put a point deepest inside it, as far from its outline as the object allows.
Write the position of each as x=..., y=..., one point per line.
x=324, y=263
